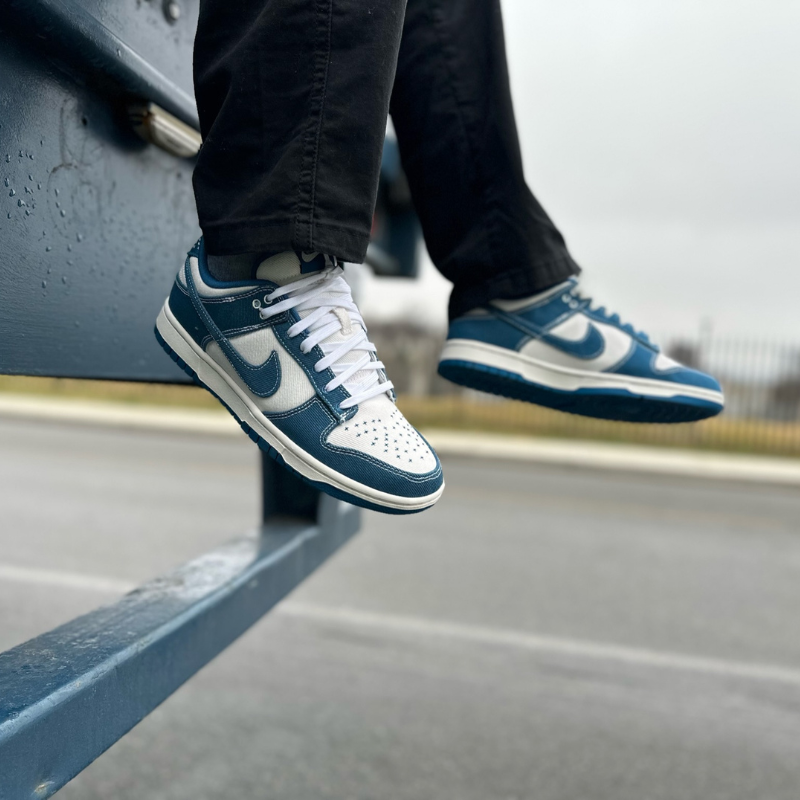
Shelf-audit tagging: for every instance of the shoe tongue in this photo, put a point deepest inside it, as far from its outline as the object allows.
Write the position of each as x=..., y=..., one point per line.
x=285, y=268
x=288, y=267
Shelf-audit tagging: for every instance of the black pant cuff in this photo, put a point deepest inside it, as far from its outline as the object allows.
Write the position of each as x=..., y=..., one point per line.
x=277, y=236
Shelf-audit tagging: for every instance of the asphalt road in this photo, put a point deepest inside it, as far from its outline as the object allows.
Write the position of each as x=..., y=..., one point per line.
x=542, y=633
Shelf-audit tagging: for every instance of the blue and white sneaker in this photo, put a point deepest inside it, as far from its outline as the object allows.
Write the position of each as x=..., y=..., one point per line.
x=557, y=350
x=290, y=359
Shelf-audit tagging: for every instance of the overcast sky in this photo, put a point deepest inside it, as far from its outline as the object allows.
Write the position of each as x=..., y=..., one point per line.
x=664, y=139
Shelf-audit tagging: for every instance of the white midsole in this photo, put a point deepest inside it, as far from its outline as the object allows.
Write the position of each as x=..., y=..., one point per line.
x=216, y=379
x=564, y=378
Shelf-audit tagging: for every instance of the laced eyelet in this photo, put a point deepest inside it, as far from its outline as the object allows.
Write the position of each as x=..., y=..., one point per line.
x=267, y=300
x=256, y=303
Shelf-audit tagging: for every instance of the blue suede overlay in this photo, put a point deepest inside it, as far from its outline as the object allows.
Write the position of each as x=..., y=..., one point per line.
x=487, y=329
x=181, y=306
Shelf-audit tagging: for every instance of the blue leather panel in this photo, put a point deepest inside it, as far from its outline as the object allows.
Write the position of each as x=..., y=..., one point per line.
x=181, y=306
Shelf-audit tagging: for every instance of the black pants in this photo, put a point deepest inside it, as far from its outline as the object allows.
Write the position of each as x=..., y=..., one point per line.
x=293, y=97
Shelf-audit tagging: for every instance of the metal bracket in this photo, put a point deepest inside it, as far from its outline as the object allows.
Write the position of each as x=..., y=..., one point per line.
x=159, y=127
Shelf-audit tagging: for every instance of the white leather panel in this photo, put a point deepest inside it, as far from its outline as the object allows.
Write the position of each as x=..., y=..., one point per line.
x=664, y=363
x=256, y=347
x=381, y=431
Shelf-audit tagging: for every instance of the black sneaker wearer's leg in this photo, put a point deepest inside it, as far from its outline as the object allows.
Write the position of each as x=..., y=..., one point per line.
x=452, y=111
x=293, y=97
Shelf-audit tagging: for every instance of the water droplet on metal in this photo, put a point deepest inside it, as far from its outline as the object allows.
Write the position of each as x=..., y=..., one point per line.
x=44, y=284
x=69, y=248
x=48, y=249
x=30, y=177
x=11, y=193
x=38, y=185
x=79, y=237
x=57, y=192
x=63, y=279
x=6, y=182
x=63, y=213
x=21, y=202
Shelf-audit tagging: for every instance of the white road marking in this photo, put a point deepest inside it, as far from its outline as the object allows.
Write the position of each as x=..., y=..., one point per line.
x=117, y=415
x=395, y=624
x=623, y=457
x=66, y=580
x=547, y=645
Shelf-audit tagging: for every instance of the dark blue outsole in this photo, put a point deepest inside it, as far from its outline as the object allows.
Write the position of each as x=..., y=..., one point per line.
x=612, y=404
x=272, y=452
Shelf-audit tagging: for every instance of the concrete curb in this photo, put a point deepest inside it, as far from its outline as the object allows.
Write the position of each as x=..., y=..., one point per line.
x=622, y=457
x=465, y=444
x=117, y=415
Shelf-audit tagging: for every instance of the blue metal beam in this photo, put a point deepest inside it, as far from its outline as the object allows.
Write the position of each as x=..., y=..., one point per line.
x=83, y=43
x=68, y=695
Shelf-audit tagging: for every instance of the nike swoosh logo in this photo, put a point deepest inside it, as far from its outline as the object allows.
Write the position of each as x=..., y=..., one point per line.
x=591, y=346
x=263, y=380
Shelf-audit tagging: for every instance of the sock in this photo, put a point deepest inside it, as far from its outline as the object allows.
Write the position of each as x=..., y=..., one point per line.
x=241, y=267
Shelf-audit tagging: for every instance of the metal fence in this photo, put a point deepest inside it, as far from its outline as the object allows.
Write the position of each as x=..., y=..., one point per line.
x=761, y=381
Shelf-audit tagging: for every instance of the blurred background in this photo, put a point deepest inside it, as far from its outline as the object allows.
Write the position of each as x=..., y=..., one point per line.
x=662, y=139
x=590, y=620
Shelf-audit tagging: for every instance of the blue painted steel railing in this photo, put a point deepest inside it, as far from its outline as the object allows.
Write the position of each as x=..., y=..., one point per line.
x=68, y=695
x=92, y=39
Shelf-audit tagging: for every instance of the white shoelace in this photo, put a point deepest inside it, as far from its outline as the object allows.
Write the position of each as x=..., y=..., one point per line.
x=326, y=295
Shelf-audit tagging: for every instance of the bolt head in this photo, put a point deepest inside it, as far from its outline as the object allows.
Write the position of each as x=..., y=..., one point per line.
x=172, y=11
